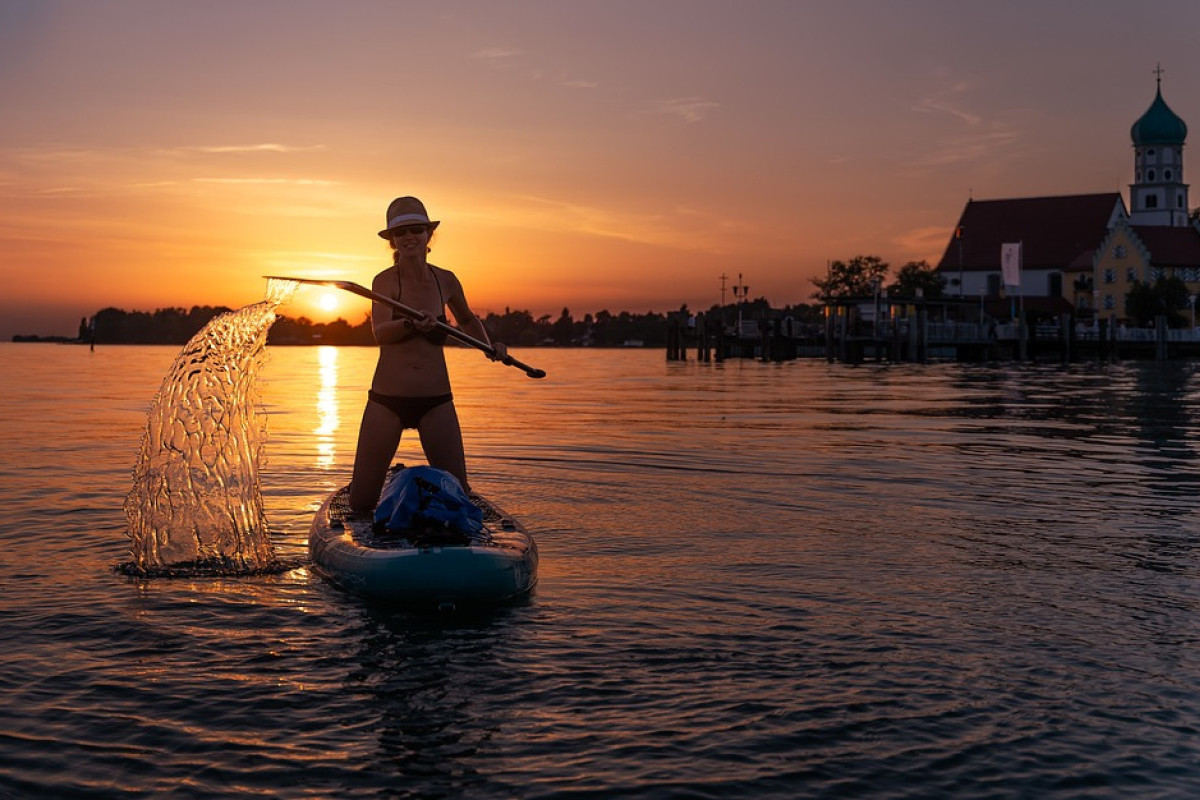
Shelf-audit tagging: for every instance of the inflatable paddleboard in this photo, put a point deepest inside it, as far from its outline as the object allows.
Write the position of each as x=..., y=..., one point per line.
x=494, y=565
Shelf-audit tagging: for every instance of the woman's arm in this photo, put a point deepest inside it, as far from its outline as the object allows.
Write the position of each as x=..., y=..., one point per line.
x=467, y=322
x=388, y=328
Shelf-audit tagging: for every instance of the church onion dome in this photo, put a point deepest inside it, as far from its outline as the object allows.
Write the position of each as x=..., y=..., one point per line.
x=1159, y=125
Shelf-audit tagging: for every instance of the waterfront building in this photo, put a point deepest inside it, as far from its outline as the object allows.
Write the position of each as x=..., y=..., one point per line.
x=1082, y=253
x=1058, y=237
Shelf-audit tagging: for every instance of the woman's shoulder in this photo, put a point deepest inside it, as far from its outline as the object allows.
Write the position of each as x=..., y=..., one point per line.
x=385, y=279
x=444, y=275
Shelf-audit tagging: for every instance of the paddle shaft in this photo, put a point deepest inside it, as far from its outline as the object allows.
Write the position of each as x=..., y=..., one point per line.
x=450, y=330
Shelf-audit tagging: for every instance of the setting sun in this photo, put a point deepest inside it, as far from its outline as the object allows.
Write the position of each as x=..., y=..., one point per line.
x=328, y=302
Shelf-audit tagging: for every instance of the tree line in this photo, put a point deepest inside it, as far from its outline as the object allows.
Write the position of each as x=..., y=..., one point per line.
x=867, y=276
x=518, y=328
x=860, y=276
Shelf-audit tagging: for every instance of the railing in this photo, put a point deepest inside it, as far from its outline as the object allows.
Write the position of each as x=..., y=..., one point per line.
x=950, y=332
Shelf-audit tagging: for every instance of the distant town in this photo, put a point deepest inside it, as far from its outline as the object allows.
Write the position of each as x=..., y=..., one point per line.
x=175, y=326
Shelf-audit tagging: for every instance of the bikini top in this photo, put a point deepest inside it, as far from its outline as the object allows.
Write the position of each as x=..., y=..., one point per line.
x=437, y=335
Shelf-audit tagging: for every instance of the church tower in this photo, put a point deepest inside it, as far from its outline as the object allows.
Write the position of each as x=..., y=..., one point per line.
x=1158, y=196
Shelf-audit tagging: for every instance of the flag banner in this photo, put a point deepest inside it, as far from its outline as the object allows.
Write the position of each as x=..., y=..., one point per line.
x=1010, y=263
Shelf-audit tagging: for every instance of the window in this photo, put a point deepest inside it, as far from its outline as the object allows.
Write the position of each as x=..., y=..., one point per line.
x=1119, y=251
x=1131, y=275
x=1156, y=274
x=1110, y=302
x=1151, y=199
x=1166, y=174
x=1110, y=275
x=1150, y=176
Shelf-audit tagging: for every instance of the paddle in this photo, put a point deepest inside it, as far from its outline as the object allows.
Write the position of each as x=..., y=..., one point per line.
x=450, y=330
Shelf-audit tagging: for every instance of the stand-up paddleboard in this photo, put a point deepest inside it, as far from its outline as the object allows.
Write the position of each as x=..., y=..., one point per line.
x=496, y=564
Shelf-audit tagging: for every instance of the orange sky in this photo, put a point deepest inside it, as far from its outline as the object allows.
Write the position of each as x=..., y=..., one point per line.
x=590, y=154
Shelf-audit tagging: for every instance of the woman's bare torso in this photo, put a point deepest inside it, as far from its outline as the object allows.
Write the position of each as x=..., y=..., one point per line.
x=415, y=367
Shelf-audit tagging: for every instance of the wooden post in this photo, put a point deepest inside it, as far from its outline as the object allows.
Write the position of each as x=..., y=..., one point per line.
x=1064, y=322
x=1022, y=338
x=923, y=324
x=844, y=333
x=913, y=353
x=828, y=332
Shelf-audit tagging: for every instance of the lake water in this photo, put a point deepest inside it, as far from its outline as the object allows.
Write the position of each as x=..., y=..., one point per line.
x=757, y=581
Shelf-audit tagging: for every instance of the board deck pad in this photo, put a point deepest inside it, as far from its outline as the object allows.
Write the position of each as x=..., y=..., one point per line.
x=499, y=529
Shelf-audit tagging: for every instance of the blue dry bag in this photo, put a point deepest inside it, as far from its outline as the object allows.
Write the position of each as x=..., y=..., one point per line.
x=419, y=498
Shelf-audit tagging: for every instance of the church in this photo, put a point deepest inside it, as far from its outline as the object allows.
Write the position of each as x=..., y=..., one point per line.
x=1080, y=254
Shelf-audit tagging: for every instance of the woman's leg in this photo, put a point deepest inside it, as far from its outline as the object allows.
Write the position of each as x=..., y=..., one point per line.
x=441, y=439
x=378, y=438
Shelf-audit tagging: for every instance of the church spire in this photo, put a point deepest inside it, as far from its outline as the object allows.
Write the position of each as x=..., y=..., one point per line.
x=1158, y=195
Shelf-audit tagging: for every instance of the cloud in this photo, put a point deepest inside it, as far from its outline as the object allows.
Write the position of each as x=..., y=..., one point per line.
x=942, y=103
x=266, y=147
x=55, y=155
x=689, y=109
x=269, y=181
x=983, y=146
x=62, y=190
x=307, y=264
x=977, y=138
x=496, y=53
x=933, y=106
x=930, y=239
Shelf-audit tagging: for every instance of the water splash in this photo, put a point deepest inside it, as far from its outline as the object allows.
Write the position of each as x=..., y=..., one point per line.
x=196, y=505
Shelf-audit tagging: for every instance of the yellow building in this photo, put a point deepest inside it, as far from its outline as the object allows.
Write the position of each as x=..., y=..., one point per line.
x=1143, y=253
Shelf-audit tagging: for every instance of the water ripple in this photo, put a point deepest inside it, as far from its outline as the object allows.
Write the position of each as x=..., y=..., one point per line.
x=757, y=581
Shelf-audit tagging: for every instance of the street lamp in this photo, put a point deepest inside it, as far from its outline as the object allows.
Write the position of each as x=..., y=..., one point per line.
x=741, y=293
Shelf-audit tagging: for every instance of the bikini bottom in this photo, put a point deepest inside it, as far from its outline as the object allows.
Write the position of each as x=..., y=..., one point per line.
x=409, y=410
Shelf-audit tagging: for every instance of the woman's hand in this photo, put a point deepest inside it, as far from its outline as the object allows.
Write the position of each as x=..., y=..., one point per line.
x=424, y=323
x=499, y=351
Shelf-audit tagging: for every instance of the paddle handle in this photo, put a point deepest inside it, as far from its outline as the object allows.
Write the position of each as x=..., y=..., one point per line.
x=450, y=330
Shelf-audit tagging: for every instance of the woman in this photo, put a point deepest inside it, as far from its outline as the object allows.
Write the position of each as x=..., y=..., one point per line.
x=411, y=387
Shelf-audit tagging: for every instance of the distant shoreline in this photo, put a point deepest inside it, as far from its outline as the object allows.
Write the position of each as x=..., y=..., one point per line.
x=27, y=338
x=33, y=339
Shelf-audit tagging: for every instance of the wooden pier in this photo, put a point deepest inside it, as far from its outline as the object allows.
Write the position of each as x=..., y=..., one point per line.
x=916, y=339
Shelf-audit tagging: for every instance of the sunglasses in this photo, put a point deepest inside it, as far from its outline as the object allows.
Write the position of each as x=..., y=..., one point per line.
x=415, y=230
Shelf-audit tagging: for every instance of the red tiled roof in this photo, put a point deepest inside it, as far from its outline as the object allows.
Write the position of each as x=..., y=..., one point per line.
x=1170, y=247
x=1056, y=232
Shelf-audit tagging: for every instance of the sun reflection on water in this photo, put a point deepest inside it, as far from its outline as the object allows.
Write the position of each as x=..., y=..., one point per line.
x=327, y=408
